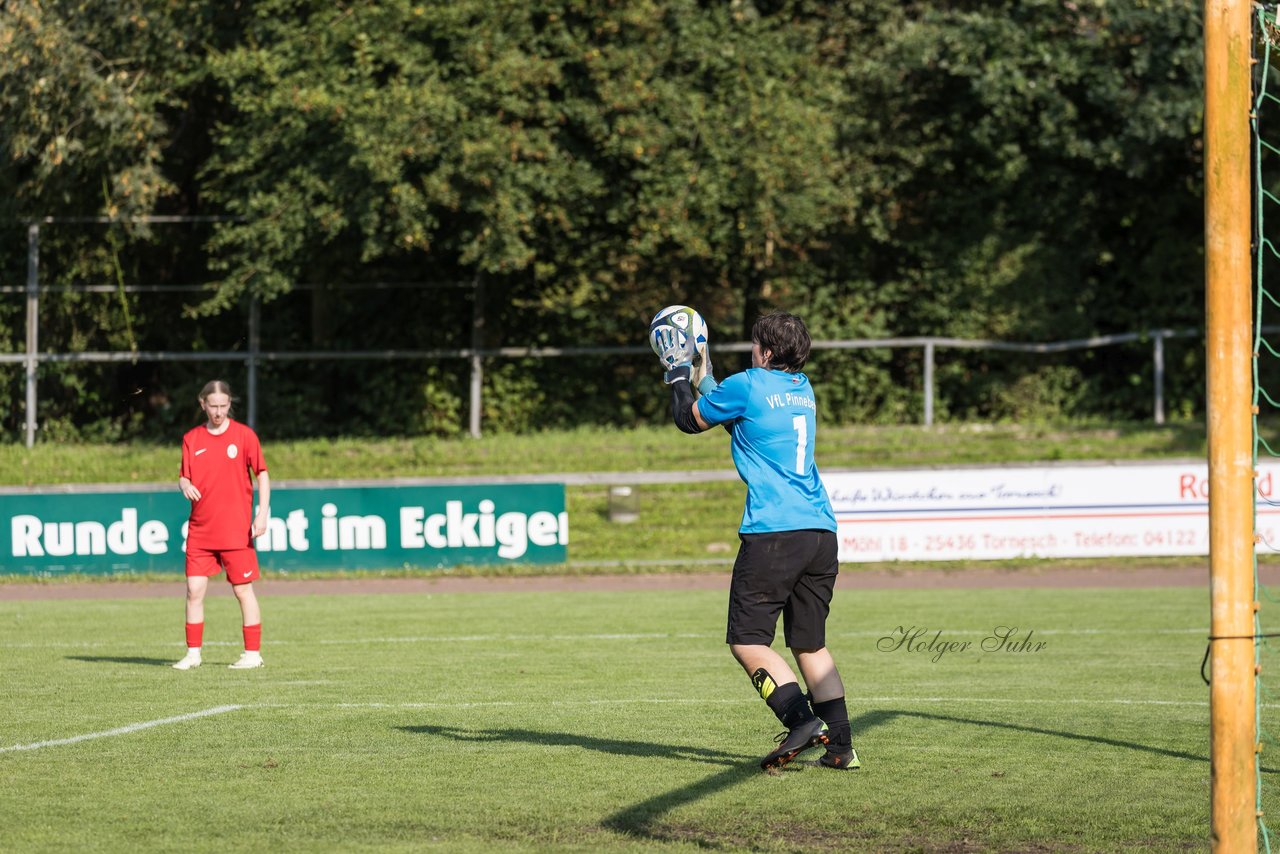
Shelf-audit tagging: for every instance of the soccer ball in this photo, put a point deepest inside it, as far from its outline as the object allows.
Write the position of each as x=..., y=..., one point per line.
x=688, y=325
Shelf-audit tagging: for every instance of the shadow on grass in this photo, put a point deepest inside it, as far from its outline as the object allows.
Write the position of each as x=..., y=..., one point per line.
x=1095, y=739
x=612, y=746
x=639, y=819
x=644, y=819
x=121, y=659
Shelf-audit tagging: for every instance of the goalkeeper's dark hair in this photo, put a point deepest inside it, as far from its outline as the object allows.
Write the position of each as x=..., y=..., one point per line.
x=785, y=337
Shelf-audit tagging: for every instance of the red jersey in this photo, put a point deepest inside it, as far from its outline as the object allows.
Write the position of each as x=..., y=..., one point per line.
x=219, y=467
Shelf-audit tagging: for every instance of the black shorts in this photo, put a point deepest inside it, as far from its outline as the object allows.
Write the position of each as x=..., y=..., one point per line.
x=789, y=571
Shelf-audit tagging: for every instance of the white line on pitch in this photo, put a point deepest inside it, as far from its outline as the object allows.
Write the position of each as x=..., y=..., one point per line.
x=496, y=638
x=703, y=635
x=124, y=730
x=1079, y=701
x=854, y=702
x=515, y=703
x=505, y=638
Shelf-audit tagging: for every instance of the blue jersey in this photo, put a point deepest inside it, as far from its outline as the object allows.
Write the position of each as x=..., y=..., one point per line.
x=772, y=418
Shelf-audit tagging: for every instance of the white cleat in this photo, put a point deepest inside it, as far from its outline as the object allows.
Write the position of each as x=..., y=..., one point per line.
x=248, y=661
x=190, y=660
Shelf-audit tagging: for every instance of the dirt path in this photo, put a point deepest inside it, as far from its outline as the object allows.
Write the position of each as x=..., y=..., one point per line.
x=850, y=579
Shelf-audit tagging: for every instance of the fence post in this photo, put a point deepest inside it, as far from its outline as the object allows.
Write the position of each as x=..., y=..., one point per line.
x=33, y=325
x=255, y=335
x=1158, y=358
x=928, y=384
x=477, y=365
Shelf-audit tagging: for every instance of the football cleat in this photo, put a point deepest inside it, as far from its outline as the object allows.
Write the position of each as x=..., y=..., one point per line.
x=794, y=742
x=248, y=661
x=840, y=761
x=190, y=660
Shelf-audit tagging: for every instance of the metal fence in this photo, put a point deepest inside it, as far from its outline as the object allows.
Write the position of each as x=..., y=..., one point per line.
x=254, y=355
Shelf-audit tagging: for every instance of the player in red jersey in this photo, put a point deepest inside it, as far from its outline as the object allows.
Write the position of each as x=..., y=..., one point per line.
x=217, y=458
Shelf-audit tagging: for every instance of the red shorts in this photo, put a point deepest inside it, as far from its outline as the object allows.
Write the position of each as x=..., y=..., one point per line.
x=241, y=564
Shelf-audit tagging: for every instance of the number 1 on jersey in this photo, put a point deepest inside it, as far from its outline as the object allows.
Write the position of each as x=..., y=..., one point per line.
x=802, y=439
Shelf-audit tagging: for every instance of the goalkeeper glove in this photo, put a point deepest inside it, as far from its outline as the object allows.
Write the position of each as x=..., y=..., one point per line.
x=700, y=376
x=676, y=353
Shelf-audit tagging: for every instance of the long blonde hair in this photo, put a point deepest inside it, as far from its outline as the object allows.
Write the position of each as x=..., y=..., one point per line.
x=216, y=387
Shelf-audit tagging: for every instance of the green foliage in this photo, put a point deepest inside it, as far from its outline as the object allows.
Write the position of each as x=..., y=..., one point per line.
x=80, y=119
x=1047, y=395
x=1017, y=171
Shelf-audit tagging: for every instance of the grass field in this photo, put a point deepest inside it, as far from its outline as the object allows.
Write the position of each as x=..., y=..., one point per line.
x=596, y=721
x=602, y=449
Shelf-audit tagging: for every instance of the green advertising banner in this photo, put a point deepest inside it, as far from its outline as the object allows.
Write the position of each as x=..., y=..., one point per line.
x=378, y=527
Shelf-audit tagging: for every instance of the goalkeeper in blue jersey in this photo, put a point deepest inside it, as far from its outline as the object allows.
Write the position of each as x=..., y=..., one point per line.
x=787, y=558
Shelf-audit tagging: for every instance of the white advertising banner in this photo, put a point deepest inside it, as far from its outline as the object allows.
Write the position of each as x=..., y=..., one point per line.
x=1044, y=511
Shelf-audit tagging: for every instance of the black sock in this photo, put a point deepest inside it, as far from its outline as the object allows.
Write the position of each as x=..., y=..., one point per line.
x=835, y=715
x=791, y=706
